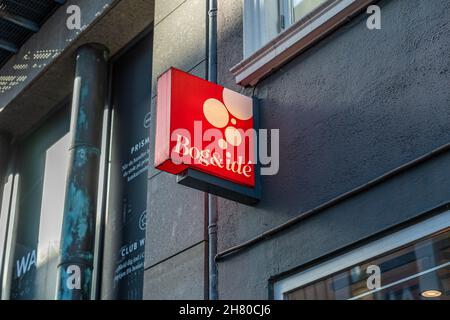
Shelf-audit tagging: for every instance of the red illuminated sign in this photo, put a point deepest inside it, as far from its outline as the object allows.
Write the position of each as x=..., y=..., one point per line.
x=203, y=126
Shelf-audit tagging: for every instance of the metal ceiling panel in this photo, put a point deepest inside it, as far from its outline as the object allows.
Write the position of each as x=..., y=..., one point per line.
x=19, y=19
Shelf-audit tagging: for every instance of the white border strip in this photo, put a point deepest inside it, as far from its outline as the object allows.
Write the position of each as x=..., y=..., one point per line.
x=371, y=250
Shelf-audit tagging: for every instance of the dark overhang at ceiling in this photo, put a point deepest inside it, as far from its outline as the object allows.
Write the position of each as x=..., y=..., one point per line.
x=47, y=81
x=20, y=19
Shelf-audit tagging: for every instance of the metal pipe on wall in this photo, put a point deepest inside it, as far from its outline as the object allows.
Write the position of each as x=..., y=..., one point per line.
x=212, y=199
x=75, y=268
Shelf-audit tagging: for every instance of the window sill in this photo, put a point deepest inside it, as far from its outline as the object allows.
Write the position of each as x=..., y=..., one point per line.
x=295, y=40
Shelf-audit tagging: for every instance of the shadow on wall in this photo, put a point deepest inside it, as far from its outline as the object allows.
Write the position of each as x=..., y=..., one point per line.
x=357, y=104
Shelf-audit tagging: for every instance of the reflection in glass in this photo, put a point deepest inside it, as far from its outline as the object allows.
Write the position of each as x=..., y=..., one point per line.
x=301, y=8
x=420, y=271
x=43, y=163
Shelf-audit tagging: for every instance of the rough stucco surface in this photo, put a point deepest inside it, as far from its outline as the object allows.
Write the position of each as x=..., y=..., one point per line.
x=354, y=106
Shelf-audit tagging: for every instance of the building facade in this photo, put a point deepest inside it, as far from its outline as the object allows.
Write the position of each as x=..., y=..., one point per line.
x=359, y=208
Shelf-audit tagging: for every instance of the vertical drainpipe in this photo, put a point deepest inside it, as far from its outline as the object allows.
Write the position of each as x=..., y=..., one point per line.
x=212, y=200
x=75, y=267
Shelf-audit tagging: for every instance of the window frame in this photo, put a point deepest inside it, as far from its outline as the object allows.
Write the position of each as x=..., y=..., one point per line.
x=286, y=13
x=357, y=256
x=263, y=54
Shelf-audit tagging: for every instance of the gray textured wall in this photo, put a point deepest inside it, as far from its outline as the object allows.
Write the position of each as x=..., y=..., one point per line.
x=353, y=107
x=175, y=241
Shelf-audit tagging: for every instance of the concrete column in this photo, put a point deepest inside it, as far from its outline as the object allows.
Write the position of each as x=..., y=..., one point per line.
x=78, y=232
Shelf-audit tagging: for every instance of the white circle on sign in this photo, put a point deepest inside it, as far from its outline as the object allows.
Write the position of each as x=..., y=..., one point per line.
x=222, y=144
x=216, y=113
x=233, y=136
x=239, y=105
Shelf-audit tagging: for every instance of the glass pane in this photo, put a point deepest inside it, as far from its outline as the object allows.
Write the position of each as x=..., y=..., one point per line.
x=123, y=271
x=261, y=24
x=270, y=20
x=302, y=8
x=416, y=272
x=44, y=159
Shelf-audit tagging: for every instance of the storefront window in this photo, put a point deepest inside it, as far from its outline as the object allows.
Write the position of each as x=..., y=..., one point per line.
x=418, y=271
x=123, y=263
x=42, y=167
